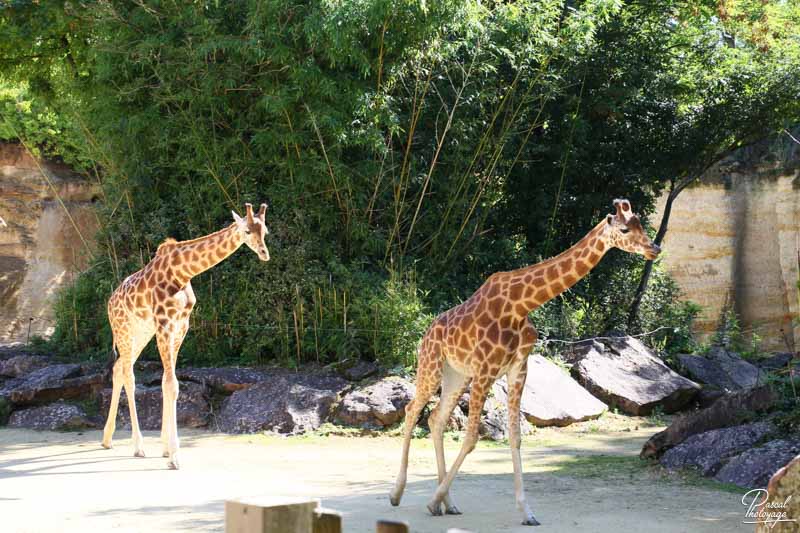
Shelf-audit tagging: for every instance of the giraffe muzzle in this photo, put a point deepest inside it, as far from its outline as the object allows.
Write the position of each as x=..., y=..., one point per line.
x=653, y=252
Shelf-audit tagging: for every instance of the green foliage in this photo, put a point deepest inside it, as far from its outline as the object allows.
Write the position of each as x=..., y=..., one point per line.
x=25, y=117
x=665, y=313
x=400, y=144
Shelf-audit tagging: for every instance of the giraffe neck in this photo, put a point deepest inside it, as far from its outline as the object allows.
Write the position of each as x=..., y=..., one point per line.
x=544, y=281
x=196, y=256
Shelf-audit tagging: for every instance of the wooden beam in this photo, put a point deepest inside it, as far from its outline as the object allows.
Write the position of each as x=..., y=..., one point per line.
x=391, y=526
x=270, y=516
x=327, y=521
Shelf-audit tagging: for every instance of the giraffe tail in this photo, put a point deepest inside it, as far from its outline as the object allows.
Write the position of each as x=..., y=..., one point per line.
x=112, y=358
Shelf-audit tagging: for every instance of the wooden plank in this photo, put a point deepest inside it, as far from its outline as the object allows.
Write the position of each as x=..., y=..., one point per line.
x=327, y=521
x=391, y=526
x=270, y=516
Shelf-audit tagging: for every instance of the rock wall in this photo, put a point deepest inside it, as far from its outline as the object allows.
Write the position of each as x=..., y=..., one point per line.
x=40, y=243
x=734, y=239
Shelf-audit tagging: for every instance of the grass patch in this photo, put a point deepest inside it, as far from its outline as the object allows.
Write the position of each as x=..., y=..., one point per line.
x=695, y=479
x=591, y=466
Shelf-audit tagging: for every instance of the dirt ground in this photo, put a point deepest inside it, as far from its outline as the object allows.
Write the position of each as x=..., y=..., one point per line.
x=583, y=478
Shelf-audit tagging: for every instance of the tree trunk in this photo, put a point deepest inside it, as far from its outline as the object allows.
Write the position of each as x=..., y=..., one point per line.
x=633, y=313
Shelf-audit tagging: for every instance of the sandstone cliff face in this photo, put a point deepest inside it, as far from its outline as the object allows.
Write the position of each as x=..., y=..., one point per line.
x=40, y=247
x=734, y=239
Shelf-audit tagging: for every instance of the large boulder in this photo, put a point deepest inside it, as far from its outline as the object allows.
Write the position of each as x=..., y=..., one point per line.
x=720, y=368
x=57, y=416
x=22, y=364
x=494, y=416
x=290, y=404
x=624, y=373
x=377, y=405
x=226, y=380
x=707, y=452
x=730, y=410
x=754, y=468
x=777, y=361
x=552, y=398
x=782, y=492
x=192, y=408
x=358, y=370
x=54, y=382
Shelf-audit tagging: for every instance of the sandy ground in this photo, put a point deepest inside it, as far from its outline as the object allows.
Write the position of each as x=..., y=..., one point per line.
x=582, y=478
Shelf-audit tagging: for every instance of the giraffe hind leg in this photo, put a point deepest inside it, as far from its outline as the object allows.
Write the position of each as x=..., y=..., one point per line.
x=429, y=375
x=111, y=421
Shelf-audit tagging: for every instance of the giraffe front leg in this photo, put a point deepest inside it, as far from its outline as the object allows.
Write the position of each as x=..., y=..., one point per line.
x=453, y=385
x=164, y=422
x=168, y=346
x=130, y=393
x=516, y=384
x=170, y=391
x=478, y=393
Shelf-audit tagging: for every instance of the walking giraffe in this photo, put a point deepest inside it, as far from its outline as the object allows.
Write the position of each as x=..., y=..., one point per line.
x=157, y=300
x=490, y=335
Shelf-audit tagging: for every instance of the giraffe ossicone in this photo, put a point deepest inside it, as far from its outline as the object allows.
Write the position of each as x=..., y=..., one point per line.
x=490, y=335
x=158, y=300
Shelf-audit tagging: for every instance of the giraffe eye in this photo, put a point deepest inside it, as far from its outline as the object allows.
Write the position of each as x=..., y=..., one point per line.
x=247, y=232
x=624, y=230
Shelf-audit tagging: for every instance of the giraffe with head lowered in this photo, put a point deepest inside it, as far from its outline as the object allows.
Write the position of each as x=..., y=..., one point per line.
x=490, y=335
x=157, y=300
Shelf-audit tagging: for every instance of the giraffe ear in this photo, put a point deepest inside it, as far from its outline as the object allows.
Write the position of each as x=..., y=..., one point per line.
x=239, y=220
x=609, y=219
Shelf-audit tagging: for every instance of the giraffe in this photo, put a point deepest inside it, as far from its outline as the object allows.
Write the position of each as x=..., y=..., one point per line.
x=490, y=335
x=157, y=300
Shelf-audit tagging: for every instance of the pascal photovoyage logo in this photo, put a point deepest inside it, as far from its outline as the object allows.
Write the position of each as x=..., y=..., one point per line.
x=760, y=510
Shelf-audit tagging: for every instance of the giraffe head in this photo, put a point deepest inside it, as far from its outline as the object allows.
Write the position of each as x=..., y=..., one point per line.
x=624, y=231
x=254, y=229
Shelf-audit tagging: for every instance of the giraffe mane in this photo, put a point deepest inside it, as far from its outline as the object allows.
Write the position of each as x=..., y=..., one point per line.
x=170, y=242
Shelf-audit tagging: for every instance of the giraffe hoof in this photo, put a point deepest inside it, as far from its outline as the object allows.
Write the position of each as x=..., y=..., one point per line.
x=395, y=501
x=138, y=453
x=452, y=510
x=531, y=521
x=173, y=465
x=165, y=454
x=435, y=509
x=107, y=445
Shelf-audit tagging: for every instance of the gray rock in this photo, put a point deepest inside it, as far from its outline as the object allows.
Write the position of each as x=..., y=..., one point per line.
x=720, y=368
x=708, y=451
x=57, y=416
x=54, y=382
x=377, y=405
x=552, y=398
x=192, y=409
x=776, y=361
x=227, y=380
x=291, y=404
x=360, y=370
x=731, y=409
x=19, y=365
x=708, y=395
x=494, y=416
x=624, y=373
x=754, y=468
